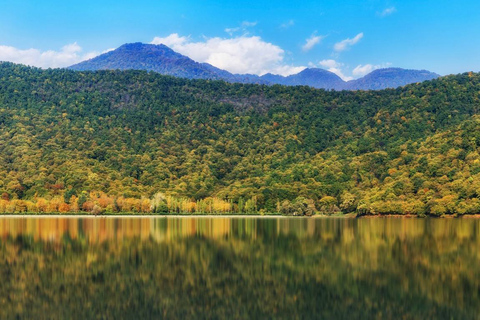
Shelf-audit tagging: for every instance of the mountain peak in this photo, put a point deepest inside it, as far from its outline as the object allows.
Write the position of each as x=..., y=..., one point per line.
x=314, y=70
x=162, y=59
x=139, y=46
x=151, y=57
x=390, y=78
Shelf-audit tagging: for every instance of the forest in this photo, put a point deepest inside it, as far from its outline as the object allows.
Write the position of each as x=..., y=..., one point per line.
x=139, y=142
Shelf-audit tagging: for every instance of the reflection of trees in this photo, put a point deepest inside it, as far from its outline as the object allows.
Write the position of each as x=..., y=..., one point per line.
x=241, y=268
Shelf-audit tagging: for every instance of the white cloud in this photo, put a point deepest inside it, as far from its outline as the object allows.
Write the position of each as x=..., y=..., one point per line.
x=287, y=24
x=108, y=50
x=286, y=70
x=243, y=27
x=340, y=73
x=312, y=42
x=339, y=69
x=335, y=67
x=171, y=41
x=68, y=55
x=247, y=24
x=387, y=12
x=362, y=70
x=232, y=30
x=72, y=48
x=345, y=44
x=330, y=63
x=244, y=54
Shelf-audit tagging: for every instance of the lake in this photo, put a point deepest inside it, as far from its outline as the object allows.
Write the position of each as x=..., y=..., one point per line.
x=239, y=268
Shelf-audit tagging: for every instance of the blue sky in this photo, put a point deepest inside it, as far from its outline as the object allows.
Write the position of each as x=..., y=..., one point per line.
x=349, y=38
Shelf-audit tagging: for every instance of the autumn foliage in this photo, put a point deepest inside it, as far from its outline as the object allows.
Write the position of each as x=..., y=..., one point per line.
x=109, y=141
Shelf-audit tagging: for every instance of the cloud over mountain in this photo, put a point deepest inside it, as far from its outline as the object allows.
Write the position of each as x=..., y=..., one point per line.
x=335, y=67
x=362, y=70
x=243, y=54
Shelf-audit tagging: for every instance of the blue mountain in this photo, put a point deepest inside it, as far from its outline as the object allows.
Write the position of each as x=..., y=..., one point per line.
x=313, y=77
x=390, y=78
x=162, y=59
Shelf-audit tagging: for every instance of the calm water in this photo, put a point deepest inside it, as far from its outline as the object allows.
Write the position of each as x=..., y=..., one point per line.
x=239, y=268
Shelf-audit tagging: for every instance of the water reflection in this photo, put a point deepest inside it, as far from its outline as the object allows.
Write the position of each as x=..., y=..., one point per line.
x=168, y=228
x=242, y=268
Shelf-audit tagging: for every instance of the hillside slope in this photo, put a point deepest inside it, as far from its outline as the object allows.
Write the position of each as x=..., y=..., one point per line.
x=134, y=133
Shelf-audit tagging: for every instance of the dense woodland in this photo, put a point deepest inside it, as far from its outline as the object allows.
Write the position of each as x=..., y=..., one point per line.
x=137, y=141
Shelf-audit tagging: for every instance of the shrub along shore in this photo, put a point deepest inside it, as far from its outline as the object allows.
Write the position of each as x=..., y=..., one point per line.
x=99, y=203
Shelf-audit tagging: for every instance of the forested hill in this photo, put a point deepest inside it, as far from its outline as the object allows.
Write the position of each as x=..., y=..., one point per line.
x=85, y=139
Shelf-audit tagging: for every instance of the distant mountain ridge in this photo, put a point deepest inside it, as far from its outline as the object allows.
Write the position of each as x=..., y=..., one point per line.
x=313, y=77
x=162, y=59
x=394, y=77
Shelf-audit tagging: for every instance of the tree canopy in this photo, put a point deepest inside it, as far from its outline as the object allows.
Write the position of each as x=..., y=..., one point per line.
x=75, y=137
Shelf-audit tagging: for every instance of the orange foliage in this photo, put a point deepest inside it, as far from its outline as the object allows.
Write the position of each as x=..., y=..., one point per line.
x=63, y=207
x=104, y=200
x=88, y=206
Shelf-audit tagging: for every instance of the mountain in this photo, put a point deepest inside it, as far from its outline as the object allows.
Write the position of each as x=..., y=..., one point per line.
x=376, y=80
x=110, y=140
x=313, y=77
x=162, y=59
x=390, y=78
x=158, y=58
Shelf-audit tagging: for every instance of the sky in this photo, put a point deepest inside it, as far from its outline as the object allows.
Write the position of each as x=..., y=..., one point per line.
x=349, y=38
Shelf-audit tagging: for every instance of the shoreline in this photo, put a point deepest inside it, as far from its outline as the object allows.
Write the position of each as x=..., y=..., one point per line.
x=116, y=216
x=230, y=216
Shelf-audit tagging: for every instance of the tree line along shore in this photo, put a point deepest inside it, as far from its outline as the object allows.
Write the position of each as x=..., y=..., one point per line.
x=112, y=141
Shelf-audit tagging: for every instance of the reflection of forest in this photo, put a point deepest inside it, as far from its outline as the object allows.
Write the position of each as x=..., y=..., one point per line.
x=369, y=231
x=160, y=229
x=239, y=268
